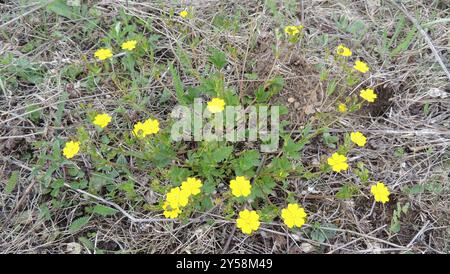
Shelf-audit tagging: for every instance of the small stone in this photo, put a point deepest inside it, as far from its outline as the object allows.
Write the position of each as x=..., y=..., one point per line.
x=307, y=247
x=73, y=248
x=291, y=100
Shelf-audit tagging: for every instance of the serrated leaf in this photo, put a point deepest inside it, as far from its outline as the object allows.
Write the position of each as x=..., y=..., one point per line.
x=12, y=182
x=177, y=84
x=249, y=159
x=79, y=223
x=61, y=8
x=347, y=191
x=218, y=58
x=223, y=153
x=104, y=210
x=178, y=174
x=291, y=148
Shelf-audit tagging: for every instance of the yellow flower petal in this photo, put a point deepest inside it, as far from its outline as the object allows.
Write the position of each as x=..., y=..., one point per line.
x=343, y=51
x=240, y=187
x=338, y=162
x=380, y=192
x=170, y=212
x=248, y=221
x=368, y=94
x=150, y=126
x=342, y=108
x=102, y=120
x=103, y=54
x=129, y=45
x=216, y=105
x=361, y=66
x=177, y=197
x=292, y=30
x=71, y=149
x=358, y=138
x=192, y=186
x=184, y=14
x=293, y=215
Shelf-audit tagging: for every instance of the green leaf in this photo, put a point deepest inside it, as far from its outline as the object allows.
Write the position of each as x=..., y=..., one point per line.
x=177, y=84
x=416, y=189
x=61, y=8
x=331, y=87
x=34, y=113
x=347, y=191
x=274, y=85
x=12, y=182
x=128, y=188
x=248, y=159
x=104, y=210
x=178, y=174
x=218, y=58
x=395, y=225
x=269, y=213
x=291, y=148
x=222, y=153
x=77, y=224
x=209, y=186
x=60, y=110
x=405, y=43
x=321, y=233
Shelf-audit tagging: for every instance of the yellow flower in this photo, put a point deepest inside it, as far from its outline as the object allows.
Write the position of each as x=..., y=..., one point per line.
x=129, y=45
x=102, y=120
x=342, y=108
x=343, y=51
x=170, y=212
x=139, y=130
x=292, y=30
x=361, y=66
x=293, y=215
x=216, y=105
x=150, y=126
x=240, y=186
x=184, y=14
x=380, y=192
x=248, y=221
x=358, y=138
x=368, y=95
x=192, y=185
x=177, y=197
x=71, y=149
x=103, y=54
x=338, y=162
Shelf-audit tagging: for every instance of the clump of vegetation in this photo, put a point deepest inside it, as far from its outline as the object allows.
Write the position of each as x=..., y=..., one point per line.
x=101, y=150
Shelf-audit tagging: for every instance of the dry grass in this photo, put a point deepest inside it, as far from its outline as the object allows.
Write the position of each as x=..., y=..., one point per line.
x=409, y=129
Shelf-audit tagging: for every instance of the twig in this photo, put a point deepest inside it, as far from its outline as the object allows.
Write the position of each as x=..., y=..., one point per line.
x=25, y=14
x=421, y=231
x=116, y=206
x=425, y=35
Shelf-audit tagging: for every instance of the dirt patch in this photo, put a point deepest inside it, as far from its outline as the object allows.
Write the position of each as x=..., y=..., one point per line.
x=383, y=101
x=301, y=92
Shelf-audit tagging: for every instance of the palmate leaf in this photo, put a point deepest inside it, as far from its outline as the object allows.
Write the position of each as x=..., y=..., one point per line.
x=223, y=153
x=218, y=58
x=178, y=174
